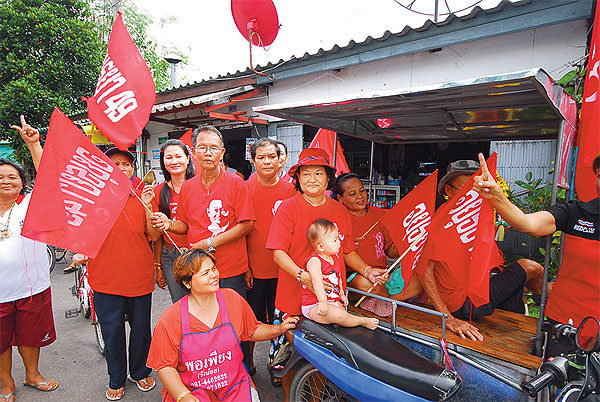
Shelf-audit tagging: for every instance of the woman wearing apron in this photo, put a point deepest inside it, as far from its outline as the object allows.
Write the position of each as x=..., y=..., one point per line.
x=195, y=348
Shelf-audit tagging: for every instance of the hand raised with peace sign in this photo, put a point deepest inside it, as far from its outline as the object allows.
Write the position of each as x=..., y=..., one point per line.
x=29, y=134
x=486, y=183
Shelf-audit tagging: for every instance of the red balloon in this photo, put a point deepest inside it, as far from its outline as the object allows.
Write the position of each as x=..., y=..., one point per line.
x=260, y=15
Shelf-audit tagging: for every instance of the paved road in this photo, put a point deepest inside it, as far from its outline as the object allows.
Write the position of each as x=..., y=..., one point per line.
x=76, y=363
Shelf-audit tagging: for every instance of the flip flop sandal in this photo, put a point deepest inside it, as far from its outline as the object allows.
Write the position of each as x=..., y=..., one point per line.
x=276, y=382
x=120, y=394
x=37, y=386
x=7, y=396
x=145, y=381
x=69, y=269
x=382, y=308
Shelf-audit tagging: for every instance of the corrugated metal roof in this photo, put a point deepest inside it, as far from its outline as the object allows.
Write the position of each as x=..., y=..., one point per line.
x=477, y=13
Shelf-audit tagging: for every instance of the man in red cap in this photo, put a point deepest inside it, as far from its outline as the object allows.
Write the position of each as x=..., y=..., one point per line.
x=576, y=293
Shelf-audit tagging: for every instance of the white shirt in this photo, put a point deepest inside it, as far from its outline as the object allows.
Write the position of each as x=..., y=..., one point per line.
x=24, y=264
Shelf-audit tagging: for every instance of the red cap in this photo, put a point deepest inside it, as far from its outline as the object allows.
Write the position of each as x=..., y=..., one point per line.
x=311, y=156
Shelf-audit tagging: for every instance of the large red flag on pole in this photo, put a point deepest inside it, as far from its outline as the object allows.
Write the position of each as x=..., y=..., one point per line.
x=187, y=141
x=125, y=92
x=464, y=228
x=409, y=219
x=589, y=123
x=324, y=139
x=78, y=192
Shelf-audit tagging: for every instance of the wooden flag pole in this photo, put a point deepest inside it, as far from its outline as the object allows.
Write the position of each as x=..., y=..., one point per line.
x=164, y=231
x=392, y=266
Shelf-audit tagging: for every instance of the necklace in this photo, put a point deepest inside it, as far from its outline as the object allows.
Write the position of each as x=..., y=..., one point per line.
x=5, y=234
x=313, y=204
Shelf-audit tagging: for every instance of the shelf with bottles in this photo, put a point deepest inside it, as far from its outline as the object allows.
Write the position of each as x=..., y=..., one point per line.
x=383, y=195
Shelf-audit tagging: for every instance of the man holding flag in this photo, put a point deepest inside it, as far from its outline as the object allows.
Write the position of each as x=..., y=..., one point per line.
x=461, y=251
x=576, y=293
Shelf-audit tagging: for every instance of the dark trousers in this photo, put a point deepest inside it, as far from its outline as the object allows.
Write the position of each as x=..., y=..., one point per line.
x=238, y=283
x=111, y=310
x=262, y=299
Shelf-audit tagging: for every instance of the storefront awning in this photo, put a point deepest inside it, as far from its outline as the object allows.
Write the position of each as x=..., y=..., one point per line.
x=520, y=105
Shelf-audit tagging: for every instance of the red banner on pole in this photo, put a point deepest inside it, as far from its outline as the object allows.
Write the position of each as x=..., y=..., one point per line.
x=125, y=92
x=464, y=228
x=589, y=124
x=324, y=140
x=409, y=219
x=78, y=192
x=187, y=141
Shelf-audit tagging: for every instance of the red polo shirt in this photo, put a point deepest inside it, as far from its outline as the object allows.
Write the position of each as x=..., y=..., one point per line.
x=124, y=265
x=211, y=211
x=265, y=200
x=288, y=233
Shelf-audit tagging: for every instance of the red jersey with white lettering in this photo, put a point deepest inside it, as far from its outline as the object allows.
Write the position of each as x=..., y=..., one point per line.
x=288, y=233
x=576, y=293
x=265, y=200
x=124, y=265
x=372, y=247
x=180, y=240
x=211, y=211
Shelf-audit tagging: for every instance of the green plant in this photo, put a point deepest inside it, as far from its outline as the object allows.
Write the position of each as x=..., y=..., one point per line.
x=537, y=197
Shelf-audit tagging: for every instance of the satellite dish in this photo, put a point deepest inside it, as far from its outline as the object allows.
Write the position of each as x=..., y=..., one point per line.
x=257, y=21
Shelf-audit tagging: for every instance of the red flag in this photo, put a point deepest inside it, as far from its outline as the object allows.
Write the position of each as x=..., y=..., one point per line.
x=464, y=228
x=408, y=219
x=125, y=93
x=589, y=139
x=187, y=141
x=324, y=140
x=78, y=192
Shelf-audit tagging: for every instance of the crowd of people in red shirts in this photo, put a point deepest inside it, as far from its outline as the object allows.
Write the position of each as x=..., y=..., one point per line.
x=233, y=255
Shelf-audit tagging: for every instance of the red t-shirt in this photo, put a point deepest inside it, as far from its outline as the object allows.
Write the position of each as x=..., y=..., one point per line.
x=166, y=340
x=124, y=265
x=265, y=200
x=372, y=247
x=180, y=240
x=208, y=212
x=288, y=233
x=331, y=275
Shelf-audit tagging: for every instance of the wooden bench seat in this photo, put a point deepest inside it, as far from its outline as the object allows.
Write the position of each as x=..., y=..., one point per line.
x=507, y=336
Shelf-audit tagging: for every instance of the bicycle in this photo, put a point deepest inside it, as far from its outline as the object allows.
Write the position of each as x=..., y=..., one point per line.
x=84, y=293
x=55, y=254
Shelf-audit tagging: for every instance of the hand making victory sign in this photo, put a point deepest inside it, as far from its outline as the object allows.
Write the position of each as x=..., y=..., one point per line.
x=31, y=136
x=485, y=184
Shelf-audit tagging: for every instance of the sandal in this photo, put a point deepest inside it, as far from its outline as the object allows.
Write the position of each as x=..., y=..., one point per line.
x=70, y=268
x=8, y=396
x=119, y=395
x=275, y=381
x=377, y=307
x=39, y=385
x=143, y=383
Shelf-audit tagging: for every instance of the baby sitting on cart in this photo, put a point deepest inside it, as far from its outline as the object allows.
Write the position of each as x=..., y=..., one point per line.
x=324, y=266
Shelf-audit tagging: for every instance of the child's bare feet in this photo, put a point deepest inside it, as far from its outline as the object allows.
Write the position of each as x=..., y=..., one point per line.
x=370, y=323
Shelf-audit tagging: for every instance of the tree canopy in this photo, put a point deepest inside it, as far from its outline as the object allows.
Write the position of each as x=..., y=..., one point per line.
x=50, y=55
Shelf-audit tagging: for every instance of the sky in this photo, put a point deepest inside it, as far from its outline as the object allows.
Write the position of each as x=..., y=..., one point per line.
x=205, y=32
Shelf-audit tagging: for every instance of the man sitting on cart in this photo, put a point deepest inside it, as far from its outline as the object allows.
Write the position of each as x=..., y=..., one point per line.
x=506, y=284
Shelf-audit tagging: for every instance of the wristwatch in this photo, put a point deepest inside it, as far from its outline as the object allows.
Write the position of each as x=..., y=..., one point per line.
x=211, y=249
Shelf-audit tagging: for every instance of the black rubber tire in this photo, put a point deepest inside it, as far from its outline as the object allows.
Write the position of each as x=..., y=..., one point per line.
x=99, y=338
x=51, y=257
x=60, y=253
x=309, y=384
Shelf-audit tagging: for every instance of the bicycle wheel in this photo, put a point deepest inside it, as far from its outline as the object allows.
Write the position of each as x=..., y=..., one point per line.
x=85, y=306
x=309, y=384
x=99, y=338
x=60, y=253
x=51, y=257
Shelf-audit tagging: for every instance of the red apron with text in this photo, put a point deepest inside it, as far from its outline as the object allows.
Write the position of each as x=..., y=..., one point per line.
x=213, y=359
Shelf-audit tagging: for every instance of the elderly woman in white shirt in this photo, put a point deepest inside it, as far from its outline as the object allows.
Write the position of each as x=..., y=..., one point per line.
x=26, y=319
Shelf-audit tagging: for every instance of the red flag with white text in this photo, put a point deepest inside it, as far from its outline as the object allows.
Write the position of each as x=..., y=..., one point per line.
x=125, y=92
x=324, y=140
x=187, y=141
x=78, y=194
x=409, y=219
x=589, y=123
x=464, y=229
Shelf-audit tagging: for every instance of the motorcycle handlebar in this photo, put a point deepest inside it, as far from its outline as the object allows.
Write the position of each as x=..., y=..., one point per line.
x=538, y=382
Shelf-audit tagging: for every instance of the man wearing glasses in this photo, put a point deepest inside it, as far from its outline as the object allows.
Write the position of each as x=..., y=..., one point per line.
x=215, y=211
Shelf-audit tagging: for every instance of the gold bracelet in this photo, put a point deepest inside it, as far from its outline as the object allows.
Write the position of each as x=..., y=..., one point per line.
x=158, y=266
x=171, y=225
x=183, y=394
